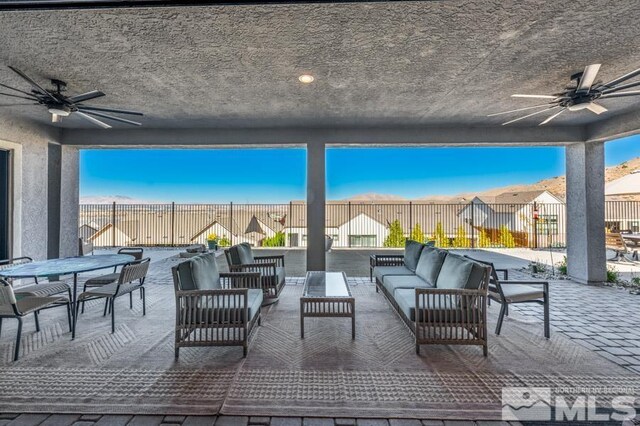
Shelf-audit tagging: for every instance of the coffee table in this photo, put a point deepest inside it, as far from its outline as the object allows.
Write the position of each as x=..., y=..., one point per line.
x=327, y=294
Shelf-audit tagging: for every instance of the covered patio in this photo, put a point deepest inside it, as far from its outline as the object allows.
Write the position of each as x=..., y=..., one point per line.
x=385, y=74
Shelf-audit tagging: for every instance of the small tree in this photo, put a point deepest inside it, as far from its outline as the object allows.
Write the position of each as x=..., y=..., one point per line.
x=483, y=239
x=396, y=236
x=224, y=242
x=417, y=234
x=439, y=236
x=276, y=241
x=506, y=237
x=461, y=240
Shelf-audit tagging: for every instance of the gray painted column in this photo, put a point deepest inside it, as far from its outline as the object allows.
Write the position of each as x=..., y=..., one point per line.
x=69, y=201
x=586, y=254
x=54, y=170
x=315, y=206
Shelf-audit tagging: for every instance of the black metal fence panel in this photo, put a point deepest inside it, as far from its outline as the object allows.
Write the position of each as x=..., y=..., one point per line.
x=349, y=224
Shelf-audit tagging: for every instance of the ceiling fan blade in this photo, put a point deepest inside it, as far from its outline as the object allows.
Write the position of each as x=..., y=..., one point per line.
x=535, y=96
x=530, y=115
x=517, y=110
x=622, y=87
x=596, y=108
x=8, y=105
x=19, y=97
x=620, y=94
x=111, y=117
x=17, y=90
x=552, y=117
x=33, y=83
x=93, y=120
x=117, y=111
x=588, y=77
x=85, y=96
x=622, y=78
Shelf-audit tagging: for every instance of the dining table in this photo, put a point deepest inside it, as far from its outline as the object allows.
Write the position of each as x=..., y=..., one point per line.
x=66, y=266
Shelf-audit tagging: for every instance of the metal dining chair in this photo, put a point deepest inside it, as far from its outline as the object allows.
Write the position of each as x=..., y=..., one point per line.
x=102, y=280
x=131, y=278
x=41, y=289
x=12, y=307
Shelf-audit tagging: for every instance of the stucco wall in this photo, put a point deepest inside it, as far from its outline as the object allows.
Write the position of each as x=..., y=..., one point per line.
x=31, y=178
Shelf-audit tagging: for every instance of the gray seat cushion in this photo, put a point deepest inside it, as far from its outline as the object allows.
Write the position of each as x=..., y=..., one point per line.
x=458, y=272
x=382, y=271
x=393, y=282
x=412, y=250
x=31, y=304
x=102, y=279
x=199, y=273
x=521, y=292
x=430, y=263
x=212, y=306
x=280, y=275
x=406, y=300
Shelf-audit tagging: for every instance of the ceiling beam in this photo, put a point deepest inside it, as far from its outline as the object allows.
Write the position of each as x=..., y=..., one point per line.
x=616, y=127
x=401, y=135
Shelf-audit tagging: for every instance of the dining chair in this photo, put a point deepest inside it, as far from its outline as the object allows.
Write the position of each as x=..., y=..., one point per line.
x=102, y=280
x=41, y=289
x=131, y=278
x=12, y=307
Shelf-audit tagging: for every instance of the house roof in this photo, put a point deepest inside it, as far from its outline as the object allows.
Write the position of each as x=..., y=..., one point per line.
x=629, y=184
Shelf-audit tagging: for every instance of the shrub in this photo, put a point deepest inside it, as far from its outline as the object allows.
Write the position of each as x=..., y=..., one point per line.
x=440, y=237
x=461, y=240
x=562, y=266
x=276, y=241
x=224, y=242
x=506, y=237
x=483, y=239
x=612, y=275
x=396, y=236
x=417, y=234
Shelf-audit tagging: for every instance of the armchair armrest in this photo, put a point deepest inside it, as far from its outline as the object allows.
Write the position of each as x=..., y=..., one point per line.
x=241, y=280
x=386, y=260
x=264, y=269
x=438, y=306
x=505, y=273
x=204, y=308
x=277, y=259
x=544, y=284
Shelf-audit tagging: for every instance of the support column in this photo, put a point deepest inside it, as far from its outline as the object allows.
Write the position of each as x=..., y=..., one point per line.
x=316, y=201
x=54, y=170
x=586, y=254
x=69, y=201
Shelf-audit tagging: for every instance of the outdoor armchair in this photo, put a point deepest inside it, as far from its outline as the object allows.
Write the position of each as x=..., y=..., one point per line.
x=240, y=258
x=131, y=278
x=85, y=247
x=508, y=292
x=12, y=307
x=213, y=308
x=40, y=289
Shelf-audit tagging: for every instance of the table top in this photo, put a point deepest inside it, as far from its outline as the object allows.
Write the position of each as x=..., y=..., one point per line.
x=631, y=236
x=65, y=266
x=326, y=284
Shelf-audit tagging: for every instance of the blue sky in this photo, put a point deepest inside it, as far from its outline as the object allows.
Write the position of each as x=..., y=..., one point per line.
x=278, y=175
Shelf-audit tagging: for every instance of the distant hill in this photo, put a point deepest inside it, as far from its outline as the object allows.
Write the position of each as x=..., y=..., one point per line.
x=375, y=197
x=120, y=199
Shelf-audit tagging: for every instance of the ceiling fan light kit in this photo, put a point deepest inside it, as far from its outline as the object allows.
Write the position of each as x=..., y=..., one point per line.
x=580, y=97
x=59, y=105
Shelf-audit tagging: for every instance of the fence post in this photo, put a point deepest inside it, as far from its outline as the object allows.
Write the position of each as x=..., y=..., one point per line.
x=113, y=224
x=173, y=223
x=411, y=220
x=231, y=223
x=349, y=227
x=290, y=221
x=534, y=214
x=473, y=228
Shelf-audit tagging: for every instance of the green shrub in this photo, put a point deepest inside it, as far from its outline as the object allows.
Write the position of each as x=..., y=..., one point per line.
x=461, y=240
x=224, y=242
x=562, y=266
x=483, y=239
x=506, y=237
x=612, y=275
x=417, y=234
x=277, y=240
x=440, y=237
x=396, y=236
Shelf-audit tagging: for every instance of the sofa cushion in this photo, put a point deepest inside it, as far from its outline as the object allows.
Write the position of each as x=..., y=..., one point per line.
x=461, y=273
x=521, y=292
x=393, y=282
x=406, y=300
x=199, y=273
x=412, y=250
x=241, y=254
x=382, y=271
x=210, y=306
x=430, y=263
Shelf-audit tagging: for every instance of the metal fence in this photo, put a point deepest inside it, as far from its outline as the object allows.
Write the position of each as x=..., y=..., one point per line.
x=350, y=224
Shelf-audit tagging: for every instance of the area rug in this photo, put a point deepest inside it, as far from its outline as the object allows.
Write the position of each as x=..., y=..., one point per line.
x=378, y=374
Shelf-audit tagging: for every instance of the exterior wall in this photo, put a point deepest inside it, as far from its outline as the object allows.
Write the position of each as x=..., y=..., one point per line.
x=69, y=201
x=362, y=225
x=29, y=142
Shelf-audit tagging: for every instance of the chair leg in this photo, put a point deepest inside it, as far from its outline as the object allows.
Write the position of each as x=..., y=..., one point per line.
x=84, y=288
x=106, y=306
x=485, y=350
x=113, y=315
x=546, y=316
x=144, y=300
x=69, y=314
x=417, y=349
x=503, y=310
x=75, y=320
x=244, y=350
x=18, y=337
x=131, y=300
x=0, y=326
x=35, y=316
x=177, y=352
x=506, y=310
x=141, y=292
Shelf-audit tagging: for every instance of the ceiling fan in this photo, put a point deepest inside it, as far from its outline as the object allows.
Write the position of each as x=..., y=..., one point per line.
x=60, y=105
x=581, y=96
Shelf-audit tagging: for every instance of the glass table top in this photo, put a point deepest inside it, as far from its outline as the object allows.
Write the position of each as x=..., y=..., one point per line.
x=65, y=266
x=326, y=284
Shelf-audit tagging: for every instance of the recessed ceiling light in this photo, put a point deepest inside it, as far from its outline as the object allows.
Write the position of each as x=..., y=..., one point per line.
x=306, y=78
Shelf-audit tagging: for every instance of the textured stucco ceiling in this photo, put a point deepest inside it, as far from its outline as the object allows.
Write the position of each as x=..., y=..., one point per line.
x=417, y=63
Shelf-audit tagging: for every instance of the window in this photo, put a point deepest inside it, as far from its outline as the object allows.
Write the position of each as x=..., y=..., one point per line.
x=634, y=226
x=362, y=240
x=547, y=224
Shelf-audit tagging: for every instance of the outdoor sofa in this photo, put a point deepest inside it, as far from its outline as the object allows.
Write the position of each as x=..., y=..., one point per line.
x=441, y=296
x=213, y=308
x=240, y=258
